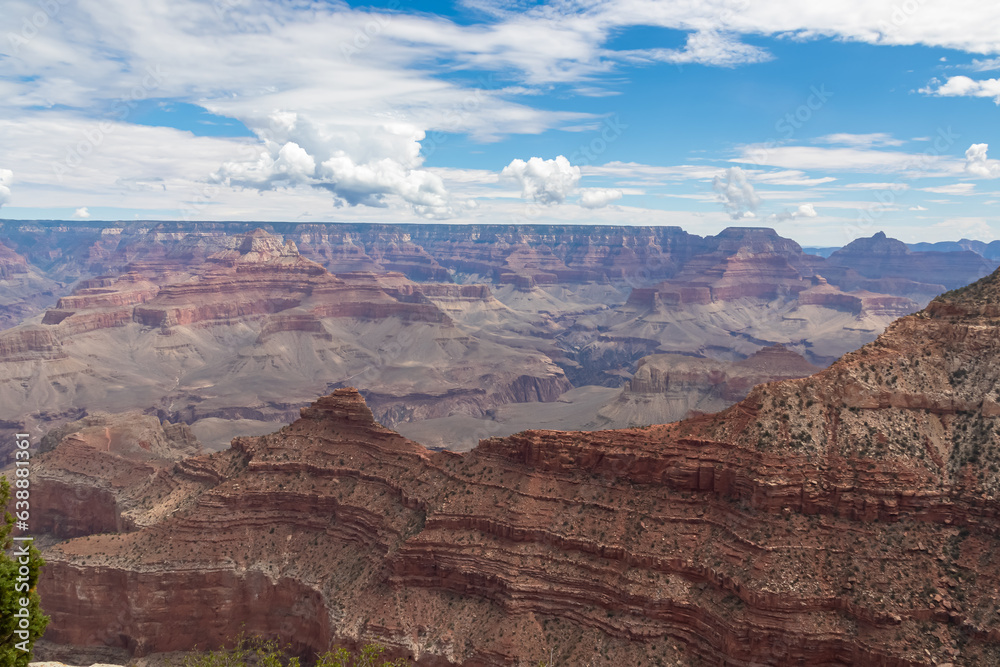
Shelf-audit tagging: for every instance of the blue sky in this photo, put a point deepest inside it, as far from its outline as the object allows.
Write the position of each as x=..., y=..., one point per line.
x=826, y=122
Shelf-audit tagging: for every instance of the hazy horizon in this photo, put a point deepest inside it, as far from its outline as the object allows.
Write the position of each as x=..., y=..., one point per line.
x=827, y=123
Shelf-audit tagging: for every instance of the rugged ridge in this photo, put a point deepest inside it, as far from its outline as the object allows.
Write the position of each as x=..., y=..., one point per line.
x=850, y=517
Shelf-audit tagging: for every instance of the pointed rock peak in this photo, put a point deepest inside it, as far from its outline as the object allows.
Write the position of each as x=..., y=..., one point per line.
x=879, y=236
x=345, y=406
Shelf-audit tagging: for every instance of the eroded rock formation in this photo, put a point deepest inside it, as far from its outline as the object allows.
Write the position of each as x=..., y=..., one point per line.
x=668, y=387
x=850, y=517
x=253, y=332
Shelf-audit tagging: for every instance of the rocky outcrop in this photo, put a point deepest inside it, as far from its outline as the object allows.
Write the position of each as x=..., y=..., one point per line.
x=861, y=303
x=29, y=343
x=850, y=517
x=94, y=470
x=668, y=387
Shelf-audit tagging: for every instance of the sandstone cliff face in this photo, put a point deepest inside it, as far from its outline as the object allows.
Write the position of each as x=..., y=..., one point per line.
x=846, y=518
x=94, y=471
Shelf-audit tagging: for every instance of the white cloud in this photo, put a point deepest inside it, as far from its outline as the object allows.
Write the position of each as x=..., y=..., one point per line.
x=81, y=213
x=917, y=208
x=969, y=227
x=807, y=158
x=543, y=181
x=359, y=166
x=789, y=177
x=967, y=25
x=963, y=86
x=860, y=140
x=803, y=211
x=598, y=197
x=987, y=65
x=363, y=110
x=736, y=194
x=952, y=189
x=896, y=187
x=704, y=47
x=977, y=164
x=6, y=178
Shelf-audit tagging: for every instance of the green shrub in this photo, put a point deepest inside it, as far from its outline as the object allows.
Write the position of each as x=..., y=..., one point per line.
x=260, y=652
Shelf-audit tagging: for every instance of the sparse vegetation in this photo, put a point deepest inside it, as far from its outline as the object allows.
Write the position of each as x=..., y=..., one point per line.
x=15, y=587
x=260, y=652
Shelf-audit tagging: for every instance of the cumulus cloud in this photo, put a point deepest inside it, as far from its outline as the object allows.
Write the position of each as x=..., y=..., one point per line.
x=599, y=197
x=81, y=213
x=963, y=86
x=803, y=211
x=543, y=181
x=977, y=164
x=6, y=178
x=360, y=166
x=736, y=194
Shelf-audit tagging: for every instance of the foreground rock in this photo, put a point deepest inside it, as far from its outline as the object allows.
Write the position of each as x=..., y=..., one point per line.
x=851, y=517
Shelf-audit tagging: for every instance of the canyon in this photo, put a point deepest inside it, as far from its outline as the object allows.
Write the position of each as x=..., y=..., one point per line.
x=464, y=331
x=847, y=517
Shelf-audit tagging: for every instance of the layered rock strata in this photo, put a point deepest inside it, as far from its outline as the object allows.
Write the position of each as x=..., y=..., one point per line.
x=850, y=517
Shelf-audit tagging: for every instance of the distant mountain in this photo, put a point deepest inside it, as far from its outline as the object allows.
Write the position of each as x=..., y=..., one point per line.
x=988, y=250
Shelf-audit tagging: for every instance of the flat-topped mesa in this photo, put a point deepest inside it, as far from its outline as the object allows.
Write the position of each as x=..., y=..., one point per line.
x=753, y=240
